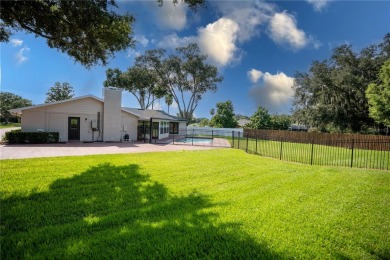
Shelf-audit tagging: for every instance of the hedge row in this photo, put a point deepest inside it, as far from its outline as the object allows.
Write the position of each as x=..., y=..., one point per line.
x=18, y=137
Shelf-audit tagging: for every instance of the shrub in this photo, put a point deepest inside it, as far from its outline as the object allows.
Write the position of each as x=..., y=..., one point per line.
x=18, y=137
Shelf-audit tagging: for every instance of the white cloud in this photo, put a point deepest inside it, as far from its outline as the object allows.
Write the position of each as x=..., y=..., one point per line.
x=132, y=54
x=142, y=39
x=218, y=40
x=156, y=105
x=240, y=22
x=248, y=15
x=283, y=30
x=318, y=5
x=21, y=55
x=174, y=105
x=316, y=44
x=173, y=41
x=275, y=92
x=254, y=75
x=170, y=16
x=16, y=42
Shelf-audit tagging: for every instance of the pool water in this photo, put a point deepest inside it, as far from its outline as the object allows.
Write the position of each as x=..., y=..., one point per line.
x=195, y=140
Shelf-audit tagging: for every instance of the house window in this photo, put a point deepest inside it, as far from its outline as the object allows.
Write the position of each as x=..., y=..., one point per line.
x=166, y=128
x=173, y=128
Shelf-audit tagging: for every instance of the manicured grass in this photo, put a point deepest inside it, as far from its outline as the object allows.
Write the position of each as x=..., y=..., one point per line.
x=3, y=125
x=201, y=204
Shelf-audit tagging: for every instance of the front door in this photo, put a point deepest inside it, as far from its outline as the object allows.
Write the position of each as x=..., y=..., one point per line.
x=73, y=128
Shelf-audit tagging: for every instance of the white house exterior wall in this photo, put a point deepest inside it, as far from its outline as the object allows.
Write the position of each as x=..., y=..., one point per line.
x=182, y=128
x=112, y=128
x=54, y=118
x=33, y=119
x=129, y=125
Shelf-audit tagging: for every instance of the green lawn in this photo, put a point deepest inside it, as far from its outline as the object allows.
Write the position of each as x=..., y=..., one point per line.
x=201, y=204
x=3, y=125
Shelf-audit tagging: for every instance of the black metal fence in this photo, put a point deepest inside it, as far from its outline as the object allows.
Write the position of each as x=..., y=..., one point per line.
x=348, y=153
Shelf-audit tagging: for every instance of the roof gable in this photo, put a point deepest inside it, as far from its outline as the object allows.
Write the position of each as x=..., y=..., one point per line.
x=147, y=114
x=19, y=110
x=142, y=114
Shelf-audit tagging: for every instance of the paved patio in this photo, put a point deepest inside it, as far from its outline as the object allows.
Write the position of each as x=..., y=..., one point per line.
x=79, y=148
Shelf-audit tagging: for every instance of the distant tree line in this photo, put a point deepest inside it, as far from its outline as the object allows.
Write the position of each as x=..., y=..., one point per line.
x=10, y=101
x=224, y=117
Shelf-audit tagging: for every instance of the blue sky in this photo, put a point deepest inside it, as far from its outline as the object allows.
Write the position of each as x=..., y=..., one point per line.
x=257, y=45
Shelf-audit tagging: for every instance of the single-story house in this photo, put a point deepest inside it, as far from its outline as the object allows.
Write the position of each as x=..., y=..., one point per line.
x=298, y=127
x=89, y=118
x=242, y=122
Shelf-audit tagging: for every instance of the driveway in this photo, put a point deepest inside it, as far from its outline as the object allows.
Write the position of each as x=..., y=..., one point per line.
x=78, y=149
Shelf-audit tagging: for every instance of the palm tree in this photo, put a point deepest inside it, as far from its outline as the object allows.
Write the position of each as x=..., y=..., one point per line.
x=168, y=100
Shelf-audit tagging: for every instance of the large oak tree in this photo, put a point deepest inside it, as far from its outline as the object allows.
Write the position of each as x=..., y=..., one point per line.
x=186, y=75
x=332, y=95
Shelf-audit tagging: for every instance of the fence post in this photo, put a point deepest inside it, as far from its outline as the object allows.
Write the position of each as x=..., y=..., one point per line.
x=353, y=144
x=247, y=141
x=281, y=148
x=256, y=142
x=388, y=155
x=212, y=134
x=233, y=138
x=312, y=152
x=239, y=140
x=173, y=138
x=192, y=136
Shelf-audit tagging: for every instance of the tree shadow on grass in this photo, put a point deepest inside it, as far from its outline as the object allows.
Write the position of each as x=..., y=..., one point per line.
x=117, y=212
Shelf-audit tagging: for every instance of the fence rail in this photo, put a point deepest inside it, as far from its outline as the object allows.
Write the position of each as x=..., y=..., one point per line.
x=360, y=152
x=200, y=137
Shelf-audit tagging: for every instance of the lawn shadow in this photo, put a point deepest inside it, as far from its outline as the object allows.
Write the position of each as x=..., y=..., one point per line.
x=118, y=212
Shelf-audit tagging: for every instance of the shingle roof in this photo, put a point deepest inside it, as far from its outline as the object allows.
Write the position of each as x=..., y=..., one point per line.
x=243, y=122
x=142, y=114
x=147, y=114
x=19, y=110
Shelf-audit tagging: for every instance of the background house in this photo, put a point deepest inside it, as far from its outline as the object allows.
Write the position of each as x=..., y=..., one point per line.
x=242, y=122
x=89, y=118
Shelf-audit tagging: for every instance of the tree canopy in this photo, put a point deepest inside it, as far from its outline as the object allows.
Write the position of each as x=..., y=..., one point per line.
x=332, y=95
x=224, y=118
x=280, y=122
x=88, y=31
x=142, y=82
x=185, y=74
x=168, y=100
x=60, y=91
x=261, y=119
x=378, y=96
x=9, y=101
